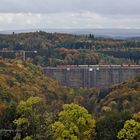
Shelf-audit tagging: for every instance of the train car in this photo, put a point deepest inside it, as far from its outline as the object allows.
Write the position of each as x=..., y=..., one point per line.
x=83, y=65
x=134, y=65
x=125, y=65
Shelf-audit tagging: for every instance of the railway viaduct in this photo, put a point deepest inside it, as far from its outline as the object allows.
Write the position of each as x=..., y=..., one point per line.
x=93, y=76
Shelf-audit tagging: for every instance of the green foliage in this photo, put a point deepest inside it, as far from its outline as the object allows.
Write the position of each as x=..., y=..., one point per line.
x=74, y=123
x=131, y=131
x=124, y=97
x=137, y=77
x=5, y=96
x=34, y=121
x=29, y=119
x=54, y=49
x=21, y=121
x=21, y=80
x=28, y=138
x=6, y=122
x=133, y=85
x=108, y=127
x=46, y=129
x=26, y=107
x=136, y=116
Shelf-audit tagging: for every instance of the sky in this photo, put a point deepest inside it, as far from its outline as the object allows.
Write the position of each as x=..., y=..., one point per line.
x=34, y=14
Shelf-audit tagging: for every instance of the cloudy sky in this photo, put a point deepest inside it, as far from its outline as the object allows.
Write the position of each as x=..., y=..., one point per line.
x=28, y=14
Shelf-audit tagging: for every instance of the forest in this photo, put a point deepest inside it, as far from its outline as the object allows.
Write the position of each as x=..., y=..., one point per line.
x=65, y=49
x=35, y=107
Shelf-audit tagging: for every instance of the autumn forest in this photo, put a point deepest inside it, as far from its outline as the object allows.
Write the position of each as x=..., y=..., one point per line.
x=36, y=107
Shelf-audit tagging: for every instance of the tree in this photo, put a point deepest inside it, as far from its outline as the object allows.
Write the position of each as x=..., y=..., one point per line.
x=6, y=122
x=137, y=116
x=28, y=123
x=34, y=121
x=130, y=131
x=108, y=126
x=74, y=124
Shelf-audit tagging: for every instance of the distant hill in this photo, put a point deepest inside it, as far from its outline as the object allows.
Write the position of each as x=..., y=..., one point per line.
x=67, y=49
x=111, y=33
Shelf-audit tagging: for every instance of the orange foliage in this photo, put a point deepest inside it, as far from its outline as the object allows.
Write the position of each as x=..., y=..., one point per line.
x=2, y=108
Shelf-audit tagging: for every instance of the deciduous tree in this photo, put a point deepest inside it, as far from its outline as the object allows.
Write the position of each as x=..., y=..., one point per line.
x=131, y=131
x=74, y=124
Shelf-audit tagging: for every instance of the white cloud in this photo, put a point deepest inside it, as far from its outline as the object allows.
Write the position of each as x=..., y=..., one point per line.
x=85, y=19
x=22, y=14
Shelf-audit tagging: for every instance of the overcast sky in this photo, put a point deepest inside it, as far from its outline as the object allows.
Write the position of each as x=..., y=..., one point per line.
x=28, y=14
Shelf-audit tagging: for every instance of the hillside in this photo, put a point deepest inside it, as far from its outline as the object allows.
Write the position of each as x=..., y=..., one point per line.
x=22, y=83
x=19, y=81
x=66, y=49
x=126, y=96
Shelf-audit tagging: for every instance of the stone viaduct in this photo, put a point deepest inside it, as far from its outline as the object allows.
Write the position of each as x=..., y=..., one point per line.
x=93, y=76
